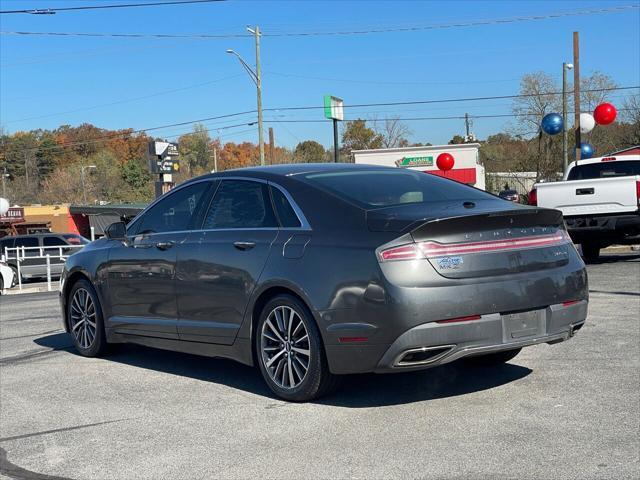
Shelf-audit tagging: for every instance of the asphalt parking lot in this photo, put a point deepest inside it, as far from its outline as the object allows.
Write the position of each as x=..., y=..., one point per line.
x=570, y=410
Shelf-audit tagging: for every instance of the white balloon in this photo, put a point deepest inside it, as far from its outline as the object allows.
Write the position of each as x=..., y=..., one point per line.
x=4, y=206
x=587, y=122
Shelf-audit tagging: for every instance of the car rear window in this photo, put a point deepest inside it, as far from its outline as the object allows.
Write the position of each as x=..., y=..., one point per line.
x=385, y=188
x=614, y=168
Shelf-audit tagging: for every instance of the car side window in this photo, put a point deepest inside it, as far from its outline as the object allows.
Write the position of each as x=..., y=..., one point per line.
x=286, y=214
x=241, y=204
x=53, y=242
x=181, y=210
x=27, y=242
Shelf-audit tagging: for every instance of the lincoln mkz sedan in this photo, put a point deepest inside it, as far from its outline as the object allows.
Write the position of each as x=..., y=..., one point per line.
x=312, y=271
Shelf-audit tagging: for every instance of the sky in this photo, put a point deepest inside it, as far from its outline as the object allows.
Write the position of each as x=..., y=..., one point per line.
x=142, y=83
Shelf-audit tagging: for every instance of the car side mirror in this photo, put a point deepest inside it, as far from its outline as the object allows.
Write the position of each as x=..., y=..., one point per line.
x=116, y=231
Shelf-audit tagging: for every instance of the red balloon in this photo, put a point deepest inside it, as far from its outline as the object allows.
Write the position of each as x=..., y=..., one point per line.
x=445, y=161
x=605, y=113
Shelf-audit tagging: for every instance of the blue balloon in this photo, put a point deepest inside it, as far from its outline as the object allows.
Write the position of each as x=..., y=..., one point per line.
x=586, y=150
x=552, y=123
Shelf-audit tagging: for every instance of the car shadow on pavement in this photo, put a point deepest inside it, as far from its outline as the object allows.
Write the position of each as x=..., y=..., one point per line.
x=355, y=391
x=613, y=258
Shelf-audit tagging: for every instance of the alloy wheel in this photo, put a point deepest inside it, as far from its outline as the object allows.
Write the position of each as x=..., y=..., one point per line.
x=285, y=347
x=83, y=318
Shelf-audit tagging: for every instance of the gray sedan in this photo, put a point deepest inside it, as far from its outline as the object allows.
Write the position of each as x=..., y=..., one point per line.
x=315, y=271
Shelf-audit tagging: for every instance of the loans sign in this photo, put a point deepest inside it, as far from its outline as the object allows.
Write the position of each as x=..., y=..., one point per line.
x=415, y=162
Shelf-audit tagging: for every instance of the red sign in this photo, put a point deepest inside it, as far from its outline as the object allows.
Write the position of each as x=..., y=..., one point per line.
x=14, y=215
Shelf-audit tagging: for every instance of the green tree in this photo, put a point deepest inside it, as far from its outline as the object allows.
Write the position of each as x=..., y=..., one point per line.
x=309, y=151
x=357, y=136
x=195, y=150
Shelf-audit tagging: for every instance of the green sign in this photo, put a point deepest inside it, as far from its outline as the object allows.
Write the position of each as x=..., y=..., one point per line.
x=333, y=108
x=415, y=162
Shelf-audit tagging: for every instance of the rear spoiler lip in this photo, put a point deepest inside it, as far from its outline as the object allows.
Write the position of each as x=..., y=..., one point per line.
x=520, y=218
x=398, y=223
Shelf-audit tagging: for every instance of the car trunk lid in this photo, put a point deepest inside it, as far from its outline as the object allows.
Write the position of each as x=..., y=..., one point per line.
x=468, y=241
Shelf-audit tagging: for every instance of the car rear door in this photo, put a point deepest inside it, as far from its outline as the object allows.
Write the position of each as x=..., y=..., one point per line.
x=218, y=272
x=141, y=272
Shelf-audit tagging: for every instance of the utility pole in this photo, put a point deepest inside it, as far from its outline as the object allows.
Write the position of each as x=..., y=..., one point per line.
x=256, y=33
x=271, y=145
x=215, y=160
x=466, y=126
x=336, y=154
x=576, y=90
x=84, y=190
x=26, y=171
x=256, y=76
x=565, y=120
x=5, y=175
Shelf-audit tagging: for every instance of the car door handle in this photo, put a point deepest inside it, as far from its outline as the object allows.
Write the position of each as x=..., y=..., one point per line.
x=585, y=191
x=244, y=245
x=164, y=245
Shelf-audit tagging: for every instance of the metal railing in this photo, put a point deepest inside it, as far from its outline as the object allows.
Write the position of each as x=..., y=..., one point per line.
x=17, y=255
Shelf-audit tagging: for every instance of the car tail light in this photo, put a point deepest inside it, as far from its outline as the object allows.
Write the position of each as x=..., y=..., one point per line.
x=533, y=197
x=415, y=251
x=608, y=159
x=638, y=191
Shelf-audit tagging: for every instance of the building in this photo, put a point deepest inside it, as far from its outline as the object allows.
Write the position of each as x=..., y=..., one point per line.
x=466, y=169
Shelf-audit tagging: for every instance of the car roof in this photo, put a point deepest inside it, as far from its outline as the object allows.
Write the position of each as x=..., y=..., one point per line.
x=293, y=169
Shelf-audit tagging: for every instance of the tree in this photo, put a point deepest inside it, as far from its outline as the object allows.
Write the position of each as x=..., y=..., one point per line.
x=536, y=101
x=195, y=151
x=456, y=140
x=393, y=132
x=309, y=151
x=357, y=136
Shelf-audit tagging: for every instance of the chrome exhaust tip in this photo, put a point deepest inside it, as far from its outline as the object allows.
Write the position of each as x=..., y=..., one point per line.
x=422, y=355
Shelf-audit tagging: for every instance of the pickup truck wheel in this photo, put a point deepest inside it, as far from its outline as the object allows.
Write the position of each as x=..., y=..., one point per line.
x=590, y=251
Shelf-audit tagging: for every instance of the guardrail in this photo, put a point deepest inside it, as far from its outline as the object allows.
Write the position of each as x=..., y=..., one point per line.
x=20, y=254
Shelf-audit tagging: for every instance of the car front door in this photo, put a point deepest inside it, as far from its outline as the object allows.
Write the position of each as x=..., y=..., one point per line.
x=216, y=276
x=141, y=271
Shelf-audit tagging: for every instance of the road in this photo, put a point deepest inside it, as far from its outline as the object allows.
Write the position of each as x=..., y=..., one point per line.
x=570, y=410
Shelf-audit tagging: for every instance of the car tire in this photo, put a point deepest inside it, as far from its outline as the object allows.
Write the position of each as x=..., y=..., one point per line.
x=493, y=359
x=84, y=315
x=1, y=284
x=290, y=353
x=590, y=251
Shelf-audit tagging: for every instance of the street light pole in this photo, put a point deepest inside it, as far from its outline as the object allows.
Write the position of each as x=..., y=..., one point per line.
x=565, y=152
x=256, y=76
x=84, y=191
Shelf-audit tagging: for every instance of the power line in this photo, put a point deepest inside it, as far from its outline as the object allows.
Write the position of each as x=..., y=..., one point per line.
x=414, y=28
x=51, y=11
x=452, y=100
x=414, y=102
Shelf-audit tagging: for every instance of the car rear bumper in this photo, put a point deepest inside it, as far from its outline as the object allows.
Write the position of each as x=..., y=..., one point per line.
x=607, y=228
x=434, y=343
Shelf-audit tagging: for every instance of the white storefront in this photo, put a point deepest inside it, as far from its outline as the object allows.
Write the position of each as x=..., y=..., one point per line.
x=466, y=167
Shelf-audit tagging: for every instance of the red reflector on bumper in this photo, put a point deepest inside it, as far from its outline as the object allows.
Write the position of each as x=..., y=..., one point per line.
x=570, y=302
x=460, y=319
x=352, y=339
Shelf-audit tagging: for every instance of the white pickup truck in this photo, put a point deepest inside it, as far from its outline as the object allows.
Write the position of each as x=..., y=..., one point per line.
x=600, y=201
